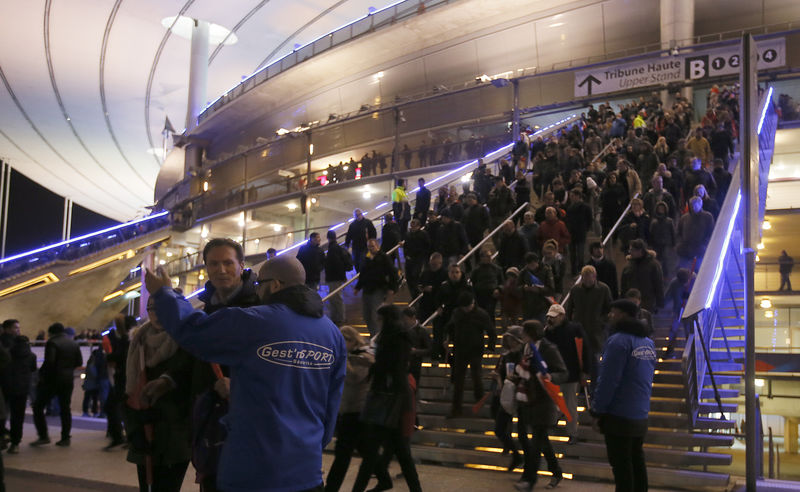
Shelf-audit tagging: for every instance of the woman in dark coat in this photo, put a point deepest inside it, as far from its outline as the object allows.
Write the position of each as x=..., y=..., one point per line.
x=161, y=402
x=389, y=377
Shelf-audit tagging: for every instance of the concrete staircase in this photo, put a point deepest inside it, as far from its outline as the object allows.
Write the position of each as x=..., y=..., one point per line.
x=677, y=451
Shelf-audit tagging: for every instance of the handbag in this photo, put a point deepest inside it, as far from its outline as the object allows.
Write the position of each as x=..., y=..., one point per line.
x=382, y=408
x=508, y=397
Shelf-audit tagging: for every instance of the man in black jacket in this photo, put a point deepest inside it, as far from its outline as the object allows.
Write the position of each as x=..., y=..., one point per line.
x=61, y=357
x=360, y=230
x=312, y=257
x=466, y=328
x=578, y=222
x=378, y=282
x=423, y=203
x=446, y=302
x=451, y=238
x=487, y=279
x=416, y=249
x=16, y=379
x=606, y=269
x=430, y=281
x=476, y=219
x=337, y=264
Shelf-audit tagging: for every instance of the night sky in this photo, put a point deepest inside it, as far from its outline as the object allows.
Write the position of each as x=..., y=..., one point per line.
x=35, y=217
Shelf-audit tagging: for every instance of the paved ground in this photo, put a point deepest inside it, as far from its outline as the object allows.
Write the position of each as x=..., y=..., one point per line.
x=86, y=467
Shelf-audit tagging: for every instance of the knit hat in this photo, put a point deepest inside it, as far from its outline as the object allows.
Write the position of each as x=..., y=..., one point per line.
x=556, y=310
x=626, y=306
x=286, y=269
x=513, y=271
x=513, y=332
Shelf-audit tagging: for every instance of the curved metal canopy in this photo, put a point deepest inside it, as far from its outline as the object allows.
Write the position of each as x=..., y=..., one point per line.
x=87, y=84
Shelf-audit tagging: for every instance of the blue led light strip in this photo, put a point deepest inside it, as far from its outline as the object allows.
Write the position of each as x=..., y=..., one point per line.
x=62, y=243
x=721, y=261
x=767, y=102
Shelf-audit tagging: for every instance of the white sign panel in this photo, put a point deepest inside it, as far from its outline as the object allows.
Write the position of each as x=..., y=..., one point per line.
x=663, y=70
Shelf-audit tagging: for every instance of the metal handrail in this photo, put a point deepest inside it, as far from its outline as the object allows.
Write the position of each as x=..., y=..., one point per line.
x=603, y=152
x=475, y=248
x=603, y=243
x=356, y=276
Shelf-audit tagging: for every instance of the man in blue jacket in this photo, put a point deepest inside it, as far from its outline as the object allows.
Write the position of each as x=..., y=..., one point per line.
x=287, y=363
x=621, y=400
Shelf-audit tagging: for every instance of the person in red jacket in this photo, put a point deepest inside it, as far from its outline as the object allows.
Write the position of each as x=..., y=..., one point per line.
x=553, y=228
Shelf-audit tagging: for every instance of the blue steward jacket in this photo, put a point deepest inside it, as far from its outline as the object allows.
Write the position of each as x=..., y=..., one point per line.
x=625, y=376
x=287, y=364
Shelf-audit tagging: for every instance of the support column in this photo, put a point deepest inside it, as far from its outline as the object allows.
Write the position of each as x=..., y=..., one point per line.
x=748, y=140
x=6, y=168
x=66, y=230
x=677, y=29
x=790, y=435
x=306, y=199
x=198, y=73
x=515, y=111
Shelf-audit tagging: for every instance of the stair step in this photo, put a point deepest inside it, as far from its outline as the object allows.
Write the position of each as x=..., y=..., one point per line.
x=722, y=355
x=731, y=332
x=712, y=407
x=668, y=405
x=668, y=377
x=714, y=424
x=720, y=343
x=583, y=449
x=708, y=393
x=719, y=366
x=721, y=380
x=443, y=382
x=583, y=469
x=680, y=438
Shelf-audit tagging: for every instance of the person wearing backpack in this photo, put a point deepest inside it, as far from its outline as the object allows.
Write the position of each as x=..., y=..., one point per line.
x=337, y=264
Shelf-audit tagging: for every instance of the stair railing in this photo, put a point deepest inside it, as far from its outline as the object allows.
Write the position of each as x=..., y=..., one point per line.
x=477, y=247
x=720, y=268
x=603, y=243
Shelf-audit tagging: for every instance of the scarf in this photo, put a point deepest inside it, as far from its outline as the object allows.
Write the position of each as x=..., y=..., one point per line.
x=149, y=347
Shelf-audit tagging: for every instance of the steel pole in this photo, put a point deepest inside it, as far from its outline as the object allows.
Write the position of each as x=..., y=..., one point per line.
x=749, y=146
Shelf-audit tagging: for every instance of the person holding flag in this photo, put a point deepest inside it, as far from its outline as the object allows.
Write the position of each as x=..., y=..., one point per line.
x=538, y=402
x=568, y=338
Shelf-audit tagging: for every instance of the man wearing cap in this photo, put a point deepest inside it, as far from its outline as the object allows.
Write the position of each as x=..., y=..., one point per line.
x=566, y=335
x=287, y=363
x=621, y=402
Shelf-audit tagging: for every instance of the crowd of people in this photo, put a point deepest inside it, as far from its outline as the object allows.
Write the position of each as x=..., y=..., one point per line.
x=253, y=408
x=644, y=165
x=441, y=149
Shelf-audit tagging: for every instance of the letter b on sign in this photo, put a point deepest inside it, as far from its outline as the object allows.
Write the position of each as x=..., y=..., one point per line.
x=696, y=67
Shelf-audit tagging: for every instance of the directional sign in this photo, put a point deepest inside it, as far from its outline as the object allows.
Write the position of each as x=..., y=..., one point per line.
x=665, y=69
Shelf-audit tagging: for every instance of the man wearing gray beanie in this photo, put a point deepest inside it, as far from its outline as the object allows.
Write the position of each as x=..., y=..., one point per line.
x=287, y=363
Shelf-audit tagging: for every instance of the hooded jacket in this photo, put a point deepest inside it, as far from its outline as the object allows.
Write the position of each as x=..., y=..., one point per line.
x=287, y=365
x=625, y=380
x=645, y=274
